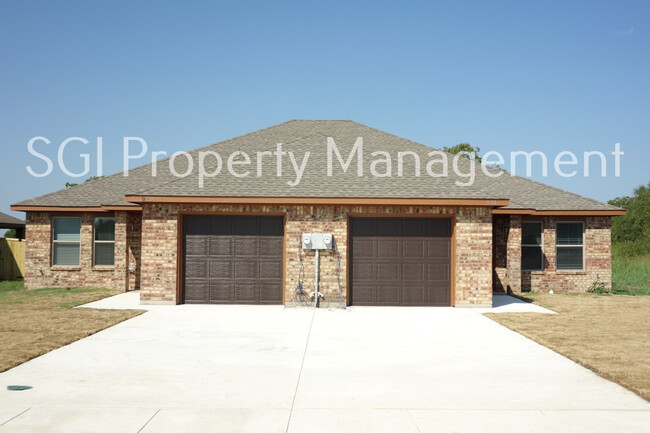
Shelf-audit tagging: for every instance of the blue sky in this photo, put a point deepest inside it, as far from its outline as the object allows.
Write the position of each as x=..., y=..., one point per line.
x=503, y=75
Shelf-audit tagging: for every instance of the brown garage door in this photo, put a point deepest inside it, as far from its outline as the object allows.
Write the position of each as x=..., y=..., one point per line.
x=401, y=261
x=232, y=259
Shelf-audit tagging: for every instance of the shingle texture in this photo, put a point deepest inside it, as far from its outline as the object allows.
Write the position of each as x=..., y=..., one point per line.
x=299, y=137
x=9, y=222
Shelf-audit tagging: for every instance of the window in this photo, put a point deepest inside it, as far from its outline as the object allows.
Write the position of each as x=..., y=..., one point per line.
x=66, y=241
x=569, y=241
x=104, y=242
x=532, y=258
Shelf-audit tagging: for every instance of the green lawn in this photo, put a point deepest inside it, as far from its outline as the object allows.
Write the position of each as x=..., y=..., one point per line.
x=631, y=275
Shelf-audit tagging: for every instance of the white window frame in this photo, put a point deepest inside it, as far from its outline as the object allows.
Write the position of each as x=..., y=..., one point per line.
x=54, y=242
x=95, y=242
x=582, y=245
x=540, y=246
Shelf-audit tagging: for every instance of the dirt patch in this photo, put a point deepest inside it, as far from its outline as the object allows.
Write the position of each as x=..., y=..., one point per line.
x=35, y=322
x=607, y=334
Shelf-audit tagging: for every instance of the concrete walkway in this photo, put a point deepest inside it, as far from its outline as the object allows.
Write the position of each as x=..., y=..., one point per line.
x=500, y=304
x=194, y=368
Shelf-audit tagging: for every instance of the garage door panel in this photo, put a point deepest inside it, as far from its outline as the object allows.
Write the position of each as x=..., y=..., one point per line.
x=439, y=248
x=246, y=269
x=222, y=292
x=400, y=261
x=246, y=246
x=414, y=227
x=219, y=226
x=246, y=292
x=438, y=272
x=196, y=225
x=270, y=270
x=269, y=294
x=388, y=272
x=197, y=267
x=388, y=248
x=413, y=295
x=271, y=227
x=437, y=297
x=233, y=259
x=363, y=294
x=364, y=248
x=196, y=246
x=439, y=228
x=221, y=270
x=363, y=228
x=364, y=271
x=389, y=227
x=221, y=246
x=246, y=225
x=196, y=289
x=387, y=295
x=414, y=248
x=413, y=272
x=269, y=246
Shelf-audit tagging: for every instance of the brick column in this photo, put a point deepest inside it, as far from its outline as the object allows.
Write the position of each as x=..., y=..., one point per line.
x=514, y=254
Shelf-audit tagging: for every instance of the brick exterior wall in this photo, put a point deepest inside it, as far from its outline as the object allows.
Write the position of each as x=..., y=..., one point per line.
x=160, y=247
x=39, y=273
x=597, y=252
x=134, y=235
x=487, y=251
x=513, y=274
x=500, y=230
x=473, y=257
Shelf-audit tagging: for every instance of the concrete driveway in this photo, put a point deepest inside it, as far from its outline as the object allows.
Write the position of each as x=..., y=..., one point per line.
x=194, y=368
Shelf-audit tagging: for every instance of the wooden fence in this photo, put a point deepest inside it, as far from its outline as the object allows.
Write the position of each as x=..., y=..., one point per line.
x=12, y=259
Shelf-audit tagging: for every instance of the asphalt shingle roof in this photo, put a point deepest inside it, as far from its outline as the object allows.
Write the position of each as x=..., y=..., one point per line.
x=300, y=136
x=9, y=222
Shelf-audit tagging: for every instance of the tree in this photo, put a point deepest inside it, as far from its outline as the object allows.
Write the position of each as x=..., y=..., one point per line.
x=633, y=229
x=464, y=147
x=90, y=179
x=11, y=233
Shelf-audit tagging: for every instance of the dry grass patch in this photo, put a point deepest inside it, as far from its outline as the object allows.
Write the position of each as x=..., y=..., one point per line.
x=34, y=322
x=607, y=334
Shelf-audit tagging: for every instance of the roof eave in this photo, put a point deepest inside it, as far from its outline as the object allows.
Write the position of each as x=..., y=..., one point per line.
x=567, y=212
x=102, y=208
x=390, y=201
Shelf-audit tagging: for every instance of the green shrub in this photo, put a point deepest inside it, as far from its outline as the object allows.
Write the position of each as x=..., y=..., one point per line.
x=598, y=287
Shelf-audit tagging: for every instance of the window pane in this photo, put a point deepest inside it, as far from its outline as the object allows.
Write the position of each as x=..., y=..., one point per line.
x=531, y=233
x=569, y=233
x=66, y=254
x=569, y=258
x=104, y=254
x=531, y=258
x=67, y=229
x=104, y=229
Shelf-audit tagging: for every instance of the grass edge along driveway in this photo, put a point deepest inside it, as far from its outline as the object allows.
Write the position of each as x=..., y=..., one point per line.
x=609, y=334
x=35, y=322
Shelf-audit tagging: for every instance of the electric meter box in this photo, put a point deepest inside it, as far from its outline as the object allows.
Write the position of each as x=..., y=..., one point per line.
x=317, y=241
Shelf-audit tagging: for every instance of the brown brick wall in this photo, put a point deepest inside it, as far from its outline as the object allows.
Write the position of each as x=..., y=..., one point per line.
x=486, y=255
x=134, y=238
x=500, y=229
x=473, y=257
x=513, y=274
x=38, y=270
x=597, y=251
x=160, y=247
